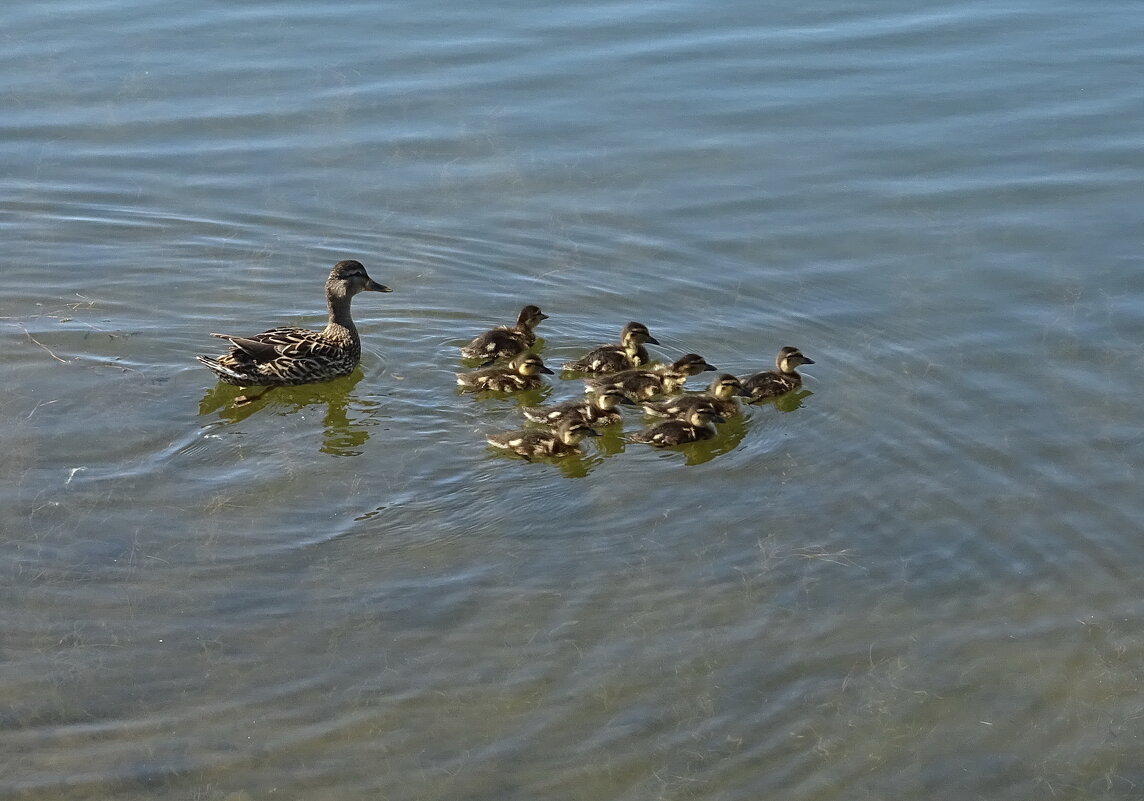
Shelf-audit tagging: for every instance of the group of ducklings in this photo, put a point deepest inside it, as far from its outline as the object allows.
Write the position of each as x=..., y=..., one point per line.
x=614, y=374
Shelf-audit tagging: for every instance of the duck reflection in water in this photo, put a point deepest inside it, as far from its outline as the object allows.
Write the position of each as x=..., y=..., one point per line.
x=346, y=422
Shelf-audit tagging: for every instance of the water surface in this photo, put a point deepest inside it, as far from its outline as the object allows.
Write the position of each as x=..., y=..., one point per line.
x=919, y=579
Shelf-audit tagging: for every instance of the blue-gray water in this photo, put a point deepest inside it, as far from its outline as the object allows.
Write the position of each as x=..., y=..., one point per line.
x=920, y=580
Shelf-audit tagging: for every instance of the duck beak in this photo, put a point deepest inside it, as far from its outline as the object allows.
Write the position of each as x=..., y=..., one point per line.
x=546, y=371
x=718, y=419
x=374, y=286
x=653, y=340
x=807, y=361
x=709, y=368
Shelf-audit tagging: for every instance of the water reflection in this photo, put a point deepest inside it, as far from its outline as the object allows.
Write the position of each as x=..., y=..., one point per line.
x=345, y=424
x=571, y=466
x=788, y=402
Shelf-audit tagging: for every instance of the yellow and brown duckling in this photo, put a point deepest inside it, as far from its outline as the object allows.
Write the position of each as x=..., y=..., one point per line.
x=773, y=383
x=720, y=396
x=614, y=358
x=695, y=425
x=290, y=355
x=521, y=373
x=506, y=340
x=561, y=440
x=598, y=409
x=662, y=379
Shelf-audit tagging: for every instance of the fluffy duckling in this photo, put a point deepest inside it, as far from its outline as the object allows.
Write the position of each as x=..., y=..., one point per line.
x=772, y=383
x=521, y=373
x=614, y=358
x=687, y=365
x=662, y=379
x=598, y=409
x=506, y=340
x=562, y=440
x=696, y=425
x=720, y=396
x=290, y=355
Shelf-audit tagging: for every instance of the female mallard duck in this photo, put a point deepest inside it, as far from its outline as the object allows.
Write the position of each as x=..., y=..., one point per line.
x=288, y=356
x=599, y=409
x=614, y=358
x=506, y=340
x=562, y=440
x=694, y=426
x=662, y=379
x=522, y=373
x=720, y=396
x=772, y=383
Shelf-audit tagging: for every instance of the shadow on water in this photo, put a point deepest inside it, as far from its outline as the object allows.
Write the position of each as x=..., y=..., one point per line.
x=341, y=435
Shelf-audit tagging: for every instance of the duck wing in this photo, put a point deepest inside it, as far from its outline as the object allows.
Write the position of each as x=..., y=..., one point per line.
x=291, y=342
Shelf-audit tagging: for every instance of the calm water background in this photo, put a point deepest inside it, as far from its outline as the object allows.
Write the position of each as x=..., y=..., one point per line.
x=923, y=579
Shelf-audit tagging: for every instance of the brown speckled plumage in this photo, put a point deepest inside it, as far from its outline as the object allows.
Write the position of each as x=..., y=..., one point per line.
x=720, y=397
x=614, y=358
x=290, y=355
x=692, y=428
x=664, y=379
x=598, y=409
x=522, y=373
x=563, y=440
x=506, y=340
x=783, y=379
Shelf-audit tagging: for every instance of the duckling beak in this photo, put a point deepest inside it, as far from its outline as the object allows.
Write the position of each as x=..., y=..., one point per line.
x=652, y=340
x=807, y=361
x=709, y=368
x=718, y=419
x=546, y=371
x=542, y=316
x=374, y=286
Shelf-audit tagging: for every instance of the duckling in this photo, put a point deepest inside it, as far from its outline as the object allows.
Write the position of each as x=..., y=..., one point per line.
x=522, y=373
x=694, y=426
x=687, y=365
x=506, y=340
x=599, y=409
x=562, y=440
x=720, y=396
x=772, y=383
x=662, y=379
x=290, y=355
x=613, y=358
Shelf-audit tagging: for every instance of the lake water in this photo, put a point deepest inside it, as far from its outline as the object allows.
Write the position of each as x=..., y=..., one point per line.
x=922, y=578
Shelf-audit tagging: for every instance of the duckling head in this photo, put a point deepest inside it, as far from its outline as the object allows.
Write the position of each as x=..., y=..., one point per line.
x=530, y=317
x=703, y=415
x=691, y=364
x=636, y=334
x=570, y=432
x=529, y=364
x=725, y=386
x=789, y=360
x=609, y=398
x=349, y=278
